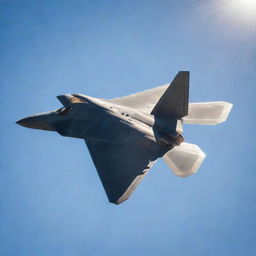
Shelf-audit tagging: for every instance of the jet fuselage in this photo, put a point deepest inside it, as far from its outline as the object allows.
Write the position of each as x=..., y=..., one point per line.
x=89, y=118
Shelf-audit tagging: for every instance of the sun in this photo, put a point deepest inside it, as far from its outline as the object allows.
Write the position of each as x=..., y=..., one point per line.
x=246, y=5
x=245, y=8
x=240, y=12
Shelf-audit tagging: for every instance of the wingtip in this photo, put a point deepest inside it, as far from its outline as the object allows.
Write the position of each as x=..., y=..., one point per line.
x=118, y=201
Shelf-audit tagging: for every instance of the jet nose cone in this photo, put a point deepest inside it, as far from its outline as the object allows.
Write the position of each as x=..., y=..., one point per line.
x=39, y=121
x=19, y=122
x=28, y=122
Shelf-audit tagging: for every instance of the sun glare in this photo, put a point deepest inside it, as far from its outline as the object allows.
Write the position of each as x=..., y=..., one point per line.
x=243, y=8
x=246, y=5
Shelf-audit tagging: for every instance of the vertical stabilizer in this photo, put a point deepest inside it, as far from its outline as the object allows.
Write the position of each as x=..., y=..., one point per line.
x=174, y=102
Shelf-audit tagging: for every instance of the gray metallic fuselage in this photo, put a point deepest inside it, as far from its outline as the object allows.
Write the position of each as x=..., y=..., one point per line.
x=93, y=119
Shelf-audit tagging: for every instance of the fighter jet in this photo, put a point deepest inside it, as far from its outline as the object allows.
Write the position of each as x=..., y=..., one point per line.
x=126, y=135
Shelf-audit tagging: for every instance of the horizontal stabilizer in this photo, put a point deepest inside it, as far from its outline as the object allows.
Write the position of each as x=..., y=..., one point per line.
x=208, y=113
x=184, y=160
x=174, y=101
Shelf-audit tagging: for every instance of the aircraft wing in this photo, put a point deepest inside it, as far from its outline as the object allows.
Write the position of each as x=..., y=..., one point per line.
x=121, y=166
x=143, y=101
x=164, y=101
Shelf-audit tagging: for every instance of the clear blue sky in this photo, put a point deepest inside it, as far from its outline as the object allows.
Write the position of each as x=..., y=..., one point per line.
x=51, y=199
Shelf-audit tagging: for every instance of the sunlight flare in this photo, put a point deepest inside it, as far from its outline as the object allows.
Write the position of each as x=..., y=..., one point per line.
x=243, y=9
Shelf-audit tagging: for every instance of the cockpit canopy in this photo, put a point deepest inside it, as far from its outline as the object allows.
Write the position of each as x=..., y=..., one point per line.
x=63, y=111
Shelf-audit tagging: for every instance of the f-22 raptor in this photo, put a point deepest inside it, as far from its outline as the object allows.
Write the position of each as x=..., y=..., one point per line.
x=126, y=135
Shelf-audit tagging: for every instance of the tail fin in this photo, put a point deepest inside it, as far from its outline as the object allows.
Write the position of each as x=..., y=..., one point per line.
x=184, y=160
x=174, y=101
